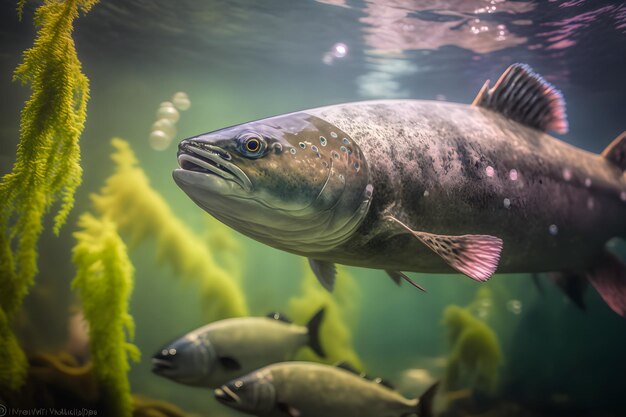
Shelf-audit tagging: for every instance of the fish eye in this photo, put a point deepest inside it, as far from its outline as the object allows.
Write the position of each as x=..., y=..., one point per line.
x=252, y=145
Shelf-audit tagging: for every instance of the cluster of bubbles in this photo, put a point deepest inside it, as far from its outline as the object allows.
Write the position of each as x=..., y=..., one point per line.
x=514, y=306
x=164, y=129
x=338, y=51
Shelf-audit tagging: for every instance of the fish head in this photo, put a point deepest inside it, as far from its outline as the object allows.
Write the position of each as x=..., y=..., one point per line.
x=188, y=360
x=254, y=393
x=294, y=182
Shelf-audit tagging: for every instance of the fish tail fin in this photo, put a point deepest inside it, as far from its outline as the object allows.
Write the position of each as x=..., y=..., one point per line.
x=616, y=151
x=608, y=277
x=313, y=327
x=425, y=404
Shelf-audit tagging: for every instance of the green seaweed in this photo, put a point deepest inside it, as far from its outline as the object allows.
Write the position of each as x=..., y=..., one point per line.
x=141, y=213
x=104, y=280
x=475, y=354
x=341, y=310
x=47, y=167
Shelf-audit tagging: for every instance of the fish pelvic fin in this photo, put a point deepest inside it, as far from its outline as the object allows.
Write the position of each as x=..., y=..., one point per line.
x=608, y=277
x=313, y=327
x=524, y=96
x=573, y=285
x=616, y=151
x=326, y=272
x=398, y=276
x=476, y=256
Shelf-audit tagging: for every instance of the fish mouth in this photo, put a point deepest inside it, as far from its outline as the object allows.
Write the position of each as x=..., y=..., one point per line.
x=160, y=365
x=226, y=396
x=211, y=160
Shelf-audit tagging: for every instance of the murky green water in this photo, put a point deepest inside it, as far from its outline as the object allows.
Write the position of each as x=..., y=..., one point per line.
x=244, y=60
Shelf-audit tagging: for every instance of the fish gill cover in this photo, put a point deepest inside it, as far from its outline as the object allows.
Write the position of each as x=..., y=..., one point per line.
x=47, y=169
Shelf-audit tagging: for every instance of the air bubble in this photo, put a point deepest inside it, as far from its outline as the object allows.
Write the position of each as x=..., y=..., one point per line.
x=159, y=140
x=169, y=112
x=489, y=171
x=622, y=195
x=181, y=101
x=587, y=182
x=553, y=229
x=513, y=175
x=514, y=306
x=426, y=193
x=507, y=203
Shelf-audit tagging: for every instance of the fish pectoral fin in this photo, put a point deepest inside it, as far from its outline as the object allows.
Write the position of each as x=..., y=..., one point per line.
x=229, y=363
x=398, y=276
x=476, y=256
x=325, y=273
x=289, y=410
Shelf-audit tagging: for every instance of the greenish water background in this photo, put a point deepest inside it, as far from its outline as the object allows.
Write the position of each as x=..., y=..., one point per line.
x=244, y=60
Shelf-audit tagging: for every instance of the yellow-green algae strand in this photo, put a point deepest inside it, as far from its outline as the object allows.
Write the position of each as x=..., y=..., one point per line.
x=47, y=166
x=340, y=317
x=141, y=213
x=475, y=354
x=104, y=281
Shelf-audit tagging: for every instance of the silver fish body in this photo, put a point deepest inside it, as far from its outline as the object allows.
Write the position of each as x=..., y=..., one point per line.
x=311, y=390
x=213, y=354
x=453, y=169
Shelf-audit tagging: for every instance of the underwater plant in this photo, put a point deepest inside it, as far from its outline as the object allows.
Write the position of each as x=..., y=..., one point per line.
x=104, y=280
x=341, y=309
x=47, y=167
x=475, y=352
x=139, y=211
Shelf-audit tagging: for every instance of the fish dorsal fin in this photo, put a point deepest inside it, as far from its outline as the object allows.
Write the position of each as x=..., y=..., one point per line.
x=476, y=256
x=348, y=367
x=616, y=151
x=325, y=273
x=524, y=96
x=383, y=382
x=279, y=317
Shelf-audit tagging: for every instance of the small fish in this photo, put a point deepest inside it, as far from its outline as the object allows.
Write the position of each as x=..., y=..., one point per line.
x=220, y=351
x=422, y=186
x=303, y=389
